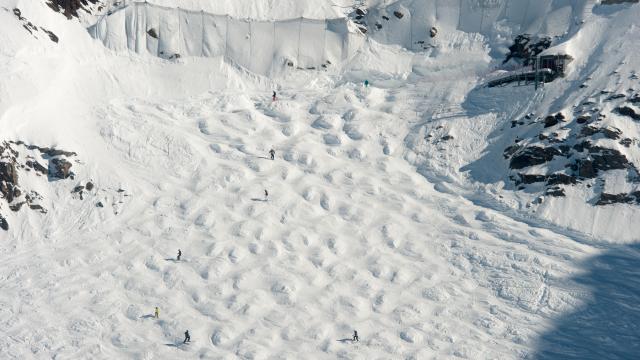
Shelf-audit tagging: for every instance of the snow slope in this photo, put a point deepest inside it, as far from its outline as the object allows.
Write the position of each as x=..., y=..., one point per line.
x=370, y=223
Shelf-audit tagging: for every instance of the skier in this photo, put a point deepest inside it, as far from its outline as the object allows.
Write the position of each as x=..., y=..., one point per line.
x=266, y=194
x=273, y=154
x=366, y=83
x=274, y=96
x=157, y=313
x=179, y=254
x=355, y=335
x=187, y=337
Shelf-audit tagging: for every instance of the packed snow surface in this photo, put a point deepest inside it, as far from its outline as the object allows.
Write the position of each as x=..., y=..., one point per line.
x=388, y=209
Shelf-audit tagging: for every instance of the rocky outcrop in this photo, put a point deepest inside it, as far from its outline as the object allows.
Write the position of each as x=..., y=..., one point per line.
x=30, y=27
x=525, y=47
x=4, y=225
x=70, y=8
x=614, y=2
x=17, y=160
x=60, y=169
x=584, y=144
x=607, y=199
x=533, y=155
x=628, y=111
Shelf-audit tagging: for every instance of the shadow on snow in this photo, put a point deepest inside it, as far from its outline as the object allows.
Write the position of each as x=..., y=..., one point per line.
x=607, y=325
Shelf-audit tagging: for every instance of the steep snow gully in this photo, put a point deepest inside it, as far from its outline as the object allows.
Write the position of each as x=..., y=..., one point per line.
x=394, y=209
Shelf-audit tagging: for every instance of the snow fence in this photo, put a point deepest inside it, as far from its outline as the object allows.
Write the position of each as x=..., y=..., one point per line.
x=408, y=23
x=259, y=46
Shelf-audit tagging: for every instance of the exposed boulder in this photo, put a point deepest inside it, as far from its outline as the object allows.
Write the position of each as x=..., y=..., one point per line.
x=60, y=168
x=585, y=169
x=612, y=132
x=550, y=121
x=8, y=181
x=398, y=14
x=8, y=172
x=35, y=165
x=70, y=7
x=153, y=33
x=559, y=178
x=555, y=191
x=626, y=142
x=628, y=111
x=511, y=150
x=4, y=225
x=608, y=159
x=582, y=119
x=531, y=178
x=533, y=155
x=614, y=2
x=607, y=199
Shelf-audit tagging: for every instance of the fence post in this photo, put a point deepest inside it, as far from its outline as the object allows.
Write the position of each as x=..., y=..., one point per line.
x=250, y=46
x=410, y=31
x=299, y=32
x=202, y=39
x=226, y=39
x=324, y=46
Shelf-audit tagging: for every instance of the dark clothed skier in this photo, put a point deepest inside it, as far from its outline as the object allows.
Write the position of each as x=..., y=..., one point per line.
x=187, y=337
x=179, y=254
x=266, y=194
x=355, y=336
x=273, y=154
x=274, y=96
x=157, y=313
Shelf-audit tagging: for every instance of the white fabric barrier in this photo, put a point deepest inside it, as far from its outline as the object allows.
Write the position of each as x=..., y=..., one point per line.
x=263, y=47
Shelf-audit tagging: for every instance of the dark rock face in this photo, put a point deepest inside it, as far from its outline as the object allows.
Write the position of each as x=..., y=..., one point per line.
x=613, y=2
x=525, y=47
x=32, y=164
x=573, y=146
x=608, y=159
x=30, y=27
x=89, y=186
x=153, y=33
x=533, y=155
x=626, y=142
x=549, y=121
x=4, y=225
x=60, y=169
x=70, y=7
x=508, y=152
x=607, y=199
x=13, y=166
x=559, y=178
x=8, y=181
x=8, y=173
x=585, y=169
x=612, y=133
x=398, y=14
x=555, y=191
x=628, y=111
x=531, y=178
x=583, y=119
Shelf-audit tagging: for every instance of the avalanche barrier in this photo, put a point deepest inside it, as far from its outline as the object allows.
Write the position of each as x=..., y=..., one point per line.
x=259, y=46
